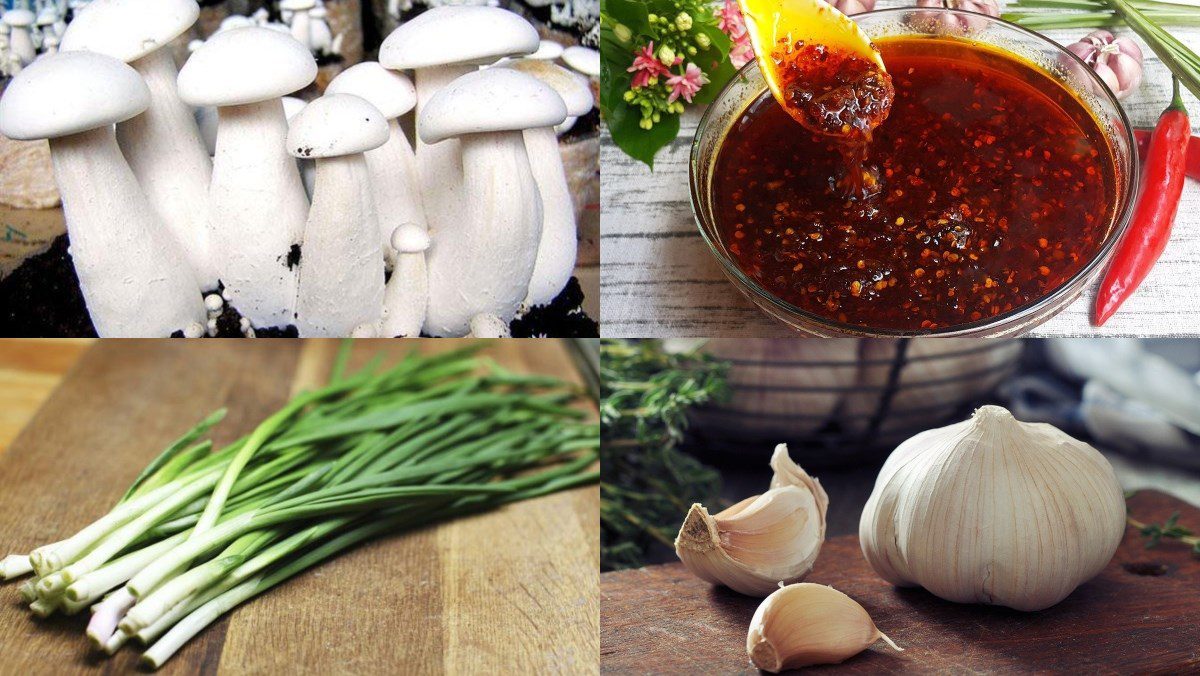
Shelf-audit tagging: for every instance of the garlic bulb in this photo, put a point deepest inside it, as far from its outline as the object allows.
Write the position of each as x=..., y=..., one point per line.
x=762, y=540
x=959, y=23
x=804, y=624
x=1117, y=60
x=993, y=510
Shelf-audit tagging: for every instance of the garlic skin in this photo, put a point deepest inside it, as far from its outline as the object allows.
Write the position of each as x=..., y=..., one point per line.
x=992, y=510
x=804, y=624
x=761, y=541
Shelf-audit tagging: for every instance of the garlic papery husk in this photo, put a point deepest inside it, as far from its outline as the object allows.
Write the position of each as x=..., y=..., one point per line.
x=804, y=624
x=993, y=510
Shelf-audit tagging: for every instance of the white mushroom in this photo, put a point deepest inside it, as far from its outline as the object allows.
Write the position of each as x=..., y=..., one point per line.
x=548, y=50
x=20, y=39
x=132, y=276
x=407, y=293
x=257, y=203
x=163, y=145
x=392, y=166
x=321, y=40
x=583, y=59
x=300, y=22
x=308, y=169
x=484, y=265
x=489, y=326
x=341, y=264
x=440, y=45
x=559, y=244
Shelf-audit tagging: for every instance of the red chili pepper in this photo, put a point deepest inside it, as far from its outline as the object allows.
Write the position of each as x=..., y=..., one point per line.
x=1191, y=167
x=1150, y=227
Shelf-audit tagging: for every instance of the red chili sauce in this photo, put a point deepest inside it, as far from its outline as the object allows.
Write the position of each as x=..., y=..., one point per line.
x=996, y=185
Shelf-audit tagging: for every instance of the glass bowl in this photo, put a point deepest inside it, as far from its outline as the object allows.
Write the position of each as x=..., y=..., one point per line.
x=748, y=85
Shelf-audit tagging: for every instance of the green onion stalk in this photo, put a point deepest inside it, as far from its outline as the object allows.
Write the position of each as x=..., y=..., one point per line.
x=203, y=529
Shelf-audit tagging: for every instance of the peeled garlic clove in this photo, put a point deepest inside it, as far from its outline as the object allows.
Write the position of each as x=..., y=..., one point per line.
x=805, y=624
x=755, y=544
x=993, y=510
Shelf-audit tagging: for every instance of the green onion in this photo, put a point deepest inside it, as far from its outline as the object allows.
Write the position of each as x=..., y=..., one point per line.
x=203, y=529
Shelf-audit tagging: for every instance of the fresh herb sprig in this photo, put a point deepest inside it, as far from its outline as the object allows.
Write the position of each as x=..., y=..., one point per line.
x=1170, y=529
x=647, y=484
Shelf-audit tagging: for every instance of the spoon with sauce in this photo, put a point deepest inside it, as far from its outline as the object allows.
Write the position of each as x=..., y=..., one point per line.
x=825, y=72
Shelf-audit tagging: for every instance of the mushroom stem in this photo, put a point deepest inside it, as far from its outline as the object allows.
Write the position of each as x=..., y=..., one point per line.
x=440, y=164
x=406, y=296
x=484, y=266
x=257, y=211
x=167, y=154
x=558, y=247
x=133, y=277
x=341, y=270
x=397, y=191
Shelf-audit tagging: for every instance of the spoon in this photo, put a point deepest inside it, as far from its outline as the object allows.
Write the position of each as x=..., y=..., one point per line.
x=781, y=23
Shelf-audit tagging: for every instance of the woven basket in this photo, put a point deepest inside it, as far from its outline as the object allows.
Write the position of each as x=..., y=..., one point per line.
x=839, y=401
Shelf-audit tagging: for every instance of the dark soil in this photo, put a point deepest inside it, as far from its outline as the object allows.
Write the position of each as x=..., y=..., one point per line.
x=42, y=299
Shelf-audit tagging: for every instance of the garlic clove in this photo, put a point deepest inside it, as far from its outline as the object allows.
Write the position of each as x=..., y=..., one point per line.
x=805, y=624
x=753, y=545
x=788, y=473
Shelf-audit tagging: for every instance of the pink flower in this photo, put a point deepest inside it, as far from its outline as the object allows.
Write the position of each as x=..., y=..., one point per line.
x=730, y=20
x=741, y=52
x=646, y=66
x=686, y=85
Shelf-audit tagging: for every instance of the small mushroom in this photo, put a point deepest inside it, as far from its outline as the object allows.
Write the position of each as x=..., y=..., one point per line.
x=132, y=275
x=163, y=145
x=559, y=243
x=257, y=203
x=341, y=269
x=407, y=293
x=483, y=265
x=583, y=59
x=20, y=38
x=440, y=45
x=489, y=326
x=548, y=50
x=393, y=168
x=300, y=21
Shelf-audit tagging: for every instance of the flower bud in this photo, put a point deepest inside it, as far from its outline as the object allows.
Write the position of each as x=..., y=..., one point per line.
x=666, y=55
x=684, y=21
x=704, y=41
x=623, y=33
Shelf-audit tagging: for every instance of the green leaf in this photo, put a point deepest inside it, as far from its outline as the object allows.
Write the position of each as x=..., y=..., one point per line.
x=640, y=144
x=631, y=13
x=717, y=80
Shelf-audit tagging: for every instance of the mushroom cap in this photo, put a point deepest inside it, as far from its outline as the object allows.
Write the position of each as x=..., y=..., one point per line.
x=547, y=49
x=495, y=99
x=410, y=238
x=129, y=29
x=583, y=59
x=245, y=65
x=571, y=86
x=70, y=92
x=296, y=5
x=391, y=92
x=336, y=125
x=461, y=34
x=18, y=18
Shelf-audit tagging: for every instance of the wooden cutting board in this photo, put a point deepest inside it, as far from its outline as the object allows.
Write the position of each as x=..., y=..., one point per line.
x=513, y=590
x=1142, y=614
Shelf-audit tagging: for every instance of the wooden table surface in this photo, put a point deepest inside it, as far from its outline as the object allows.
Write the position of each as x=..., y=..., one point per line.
x=509, y=591
x=660, y=280
x=1140, y=615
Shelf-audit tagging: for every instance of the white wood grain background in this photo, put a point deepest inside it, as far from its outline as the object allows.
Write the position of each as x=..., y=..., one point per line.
x=659, y=279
